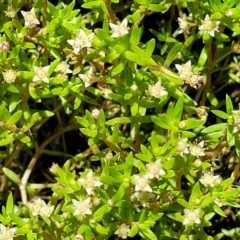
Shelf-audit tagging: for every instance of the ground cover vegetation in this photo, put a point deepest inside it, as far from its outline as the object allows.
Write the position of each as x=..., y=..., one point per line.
x=119, y=119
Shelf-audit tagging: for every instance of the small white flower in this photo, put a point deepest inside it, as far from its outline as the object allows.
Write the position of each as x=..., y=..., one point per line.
x=155, y=169
x=85, y=38
x=194, y=80
x=183, y=25
x=11, y=12
x=36, y=206
x=236, y=121
x=197, y=149
x=209, y=26
x=95, y=113
x=185, y=70
x=41, y=74
x=7, y=233
x=182, y=146
x=39, y=207
x=191, y=216
x=208, y=179
x=82, y=207
x=30, y=18
x=82, y=40
x=141, y=183
x=143, y=197
x=63, y=67
x=9, y=76
x=89, y=182
x=88, y=78
x=123, y=231
x=157, y=90
x=119, y=29
x=76, y=44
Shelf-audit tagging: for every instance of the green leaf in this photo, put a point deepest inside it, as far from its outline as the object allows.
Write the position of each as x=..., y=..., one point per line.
x=146, y=232
x=14, y=118
x=120, y=120
x=135, y=36
x=9, y=204
x=99, y=213
x=88, y=132
x=159, y=122
x=11, y=175
x=229, y=105
x=219, y=211
x=23, y=137
x=128, y=164
x=134, y=108
x=100, y=229
x=159, y=8
x=203, y=56
x=220, y=114
x=172, y=54
x=215, y=128
x=150, y=48
x=212, y=98
x=183, y=203
x=84, y=122
x=178, y=110
x=119, y=194
x=195, y=193
x=191, y=123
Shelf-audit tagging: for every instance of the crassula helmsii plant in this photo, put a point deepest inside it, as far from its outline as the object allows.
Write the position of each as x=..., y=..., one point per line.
x=147, y=92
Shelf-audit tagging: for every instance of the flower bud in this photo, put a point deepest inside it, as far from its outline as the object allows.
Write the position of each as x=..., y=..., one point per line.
x=197, y=163
x=4, y=46
x=134, y=87
x=109, y=156
x=95, y=113
x=79, y=237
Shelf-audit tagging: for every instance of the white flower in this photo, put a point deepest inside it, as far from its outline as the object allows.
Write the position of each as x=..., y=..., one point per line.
x=9, y=76
x=143, y=197
x=191, y=216
x=82, y=40
x=236, y=121
x=197, y=149
x=85, y=38
x=123, y=231
x=82, y=207
x=194, y=80
x=76, y=44
x=183, y=25
x=88, y=78
x=155, y=169
x=63, y=67
x=7, y=233
x=95, y=113
x=11, y=12
x=39, y=207
x=36, y=206
x=208, y=179
x=119, y=29
x=41, y=74
x=185, y=70
x=89, y=182
x=30, y=18
x=182, y=146
x=141, y=183
x=47, y=211
x=157, y=90
x=209, y=26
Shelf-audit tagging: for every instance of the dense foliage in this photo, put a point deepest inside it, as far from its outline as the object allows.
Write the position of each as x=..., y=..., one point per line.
x=119, y=119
